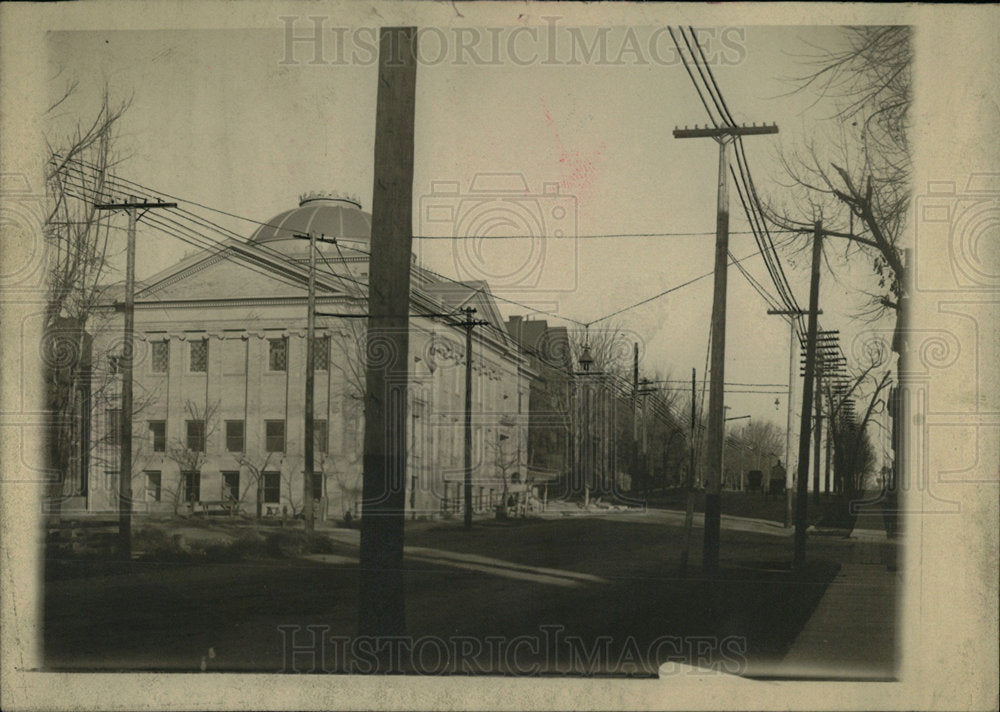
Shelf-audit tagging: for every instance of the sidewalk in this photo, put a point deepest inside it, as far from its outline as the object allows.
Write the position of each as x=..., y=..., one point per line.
x=852, y=633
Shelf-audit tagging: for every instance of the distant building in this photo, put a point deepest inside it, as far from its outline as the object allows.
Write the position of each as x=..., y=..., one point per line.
x=579, y=432
x=550, y=424
x=220, y=379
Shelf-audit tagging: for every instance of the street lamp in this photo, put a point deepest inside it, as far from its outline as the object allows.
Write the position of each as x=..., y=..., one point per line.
x=586, y=361
x=724, y=421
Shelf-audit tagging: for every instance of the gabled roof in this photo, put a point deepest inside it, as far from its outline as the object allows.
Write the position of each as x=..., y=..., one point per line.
x=474, y=293
x=230, y=266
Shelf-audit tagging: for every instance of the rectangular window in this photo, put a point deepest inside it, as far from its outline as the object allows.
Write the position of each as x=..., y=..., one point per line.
x=234, y=436
x=274, y=435
x=192, y=486
x=230, y=486
x=321, y=435
x=114, y=435
x=277, y=354
x=272, y=487
x=161, y=356
x=153, y=491
x=158, y=431
x=195, y=435
x=199, y=356
x=321, y=353
x=317, y=485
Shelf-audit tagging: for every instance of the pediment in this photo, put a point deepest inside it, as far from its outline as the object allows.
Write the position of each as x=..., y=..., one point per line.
x=233, y=273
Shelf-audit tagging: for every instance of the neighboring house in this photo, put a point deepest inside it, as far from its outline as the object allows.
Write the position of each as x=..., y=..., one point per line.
x=220, y=378
x=550, y=428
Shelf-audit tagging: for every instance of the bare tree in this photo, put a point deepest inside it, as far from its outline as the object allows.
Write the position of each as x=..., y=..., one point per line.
x=293, y=494
x=854, y=456
x=255, y=463
x=662, y=433
x=506, y=457
x=860, y=177
x=78, y=238
x=610, y=347
x=189, y=451
x=765, y=440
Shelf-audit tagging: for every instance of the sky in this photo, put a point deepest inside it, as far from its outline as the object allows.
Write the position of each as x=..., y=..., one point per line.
x=246, y=121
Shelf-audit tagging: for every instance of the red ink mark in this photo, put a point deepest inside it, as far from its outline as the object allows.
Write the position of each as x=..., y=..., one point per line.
x=579, y=169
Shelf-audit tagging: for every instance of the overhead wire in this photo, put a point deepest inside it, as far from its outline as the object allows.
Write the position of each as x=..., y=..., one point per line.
x=751, y=203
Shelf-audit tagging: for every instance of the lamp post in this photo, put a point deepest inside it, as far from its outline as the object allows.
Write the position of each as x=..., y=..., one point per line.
x=586, y=361
x=735, y=417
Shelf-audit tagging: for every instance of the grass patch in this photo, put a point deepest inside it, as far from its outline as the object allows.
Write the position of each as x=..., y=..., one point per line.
x=752, y=505
x=87, y=553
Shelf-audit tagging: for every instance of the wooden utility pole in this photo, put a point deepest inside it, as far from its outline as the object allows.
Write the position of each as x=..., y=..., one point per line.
x=307, y=487
x=381, y=604
x=825, y=363
x=793, y=345
x=724, y=135
x=802, y=494
x=829, y=449
x=818, y=428
x=635, y=412
x=689, y=505
x=469, y=324
x=126, y=366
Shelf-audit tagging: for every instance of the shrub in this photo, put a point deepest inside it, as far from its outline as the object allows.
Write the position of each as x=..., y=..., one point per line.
x=295, y=542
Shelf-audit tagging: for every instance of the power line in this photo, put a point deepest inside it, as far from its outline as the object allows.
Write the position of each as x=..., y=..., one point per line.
x=753, y=210
x=697, y=88
x=200, y=243
x=665, y=292
x=230, y=235
x=590, y=236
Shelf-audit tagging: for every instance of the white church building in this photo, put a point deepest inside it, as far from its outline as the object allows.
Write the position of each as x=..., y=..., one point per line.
x=219, y=380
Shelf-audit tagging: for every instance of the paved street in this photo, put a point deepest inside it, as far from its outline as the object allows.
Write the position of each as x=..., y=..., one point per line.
x=607, y=585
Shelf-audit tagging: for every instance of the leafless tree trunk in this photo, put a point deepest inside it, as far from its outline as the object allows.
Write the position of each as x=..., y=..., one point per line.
x=77, y=236
x=180, y=450
x=854, y=456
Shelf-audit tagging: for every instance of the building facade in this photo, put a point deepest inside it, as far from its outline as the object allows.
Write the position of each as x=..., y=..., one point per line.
x=219, y=379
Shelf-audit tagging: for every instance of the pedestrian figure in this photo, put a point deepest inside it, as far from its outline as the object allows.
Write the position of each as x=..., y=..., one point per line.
x=777, y=485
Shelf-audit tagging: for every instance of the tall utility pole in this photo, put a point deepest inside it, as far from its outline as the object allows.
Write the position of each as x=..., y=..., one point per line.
x=802, y=486
x=829, y=450
x=689, y=505
x=469, y=323
x=381, y=604
x=310, y=422
x=724, y=136
x=818, y=427
x=825, y=361
x=307, y=487
x=128, y=354
x=793, y=344
x=635, y=410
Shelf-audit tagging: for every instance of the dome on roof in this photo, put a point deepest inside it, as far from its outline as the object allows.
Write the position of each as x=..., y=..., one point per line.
x=326, y=214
